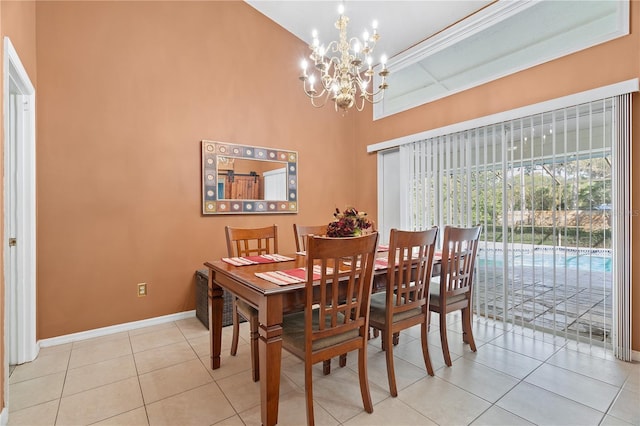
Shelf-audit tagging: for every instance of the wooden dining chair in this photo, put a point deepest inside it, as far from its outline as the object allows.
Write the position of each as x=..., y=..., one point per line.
x=301, y=232
x=249, y=242
x=405, y=302
x=453, y=290
x=335, y=319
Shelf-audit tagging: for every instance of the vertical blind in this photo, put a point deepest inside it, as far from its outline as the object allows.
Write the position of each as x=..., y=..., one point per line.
x=548, y=190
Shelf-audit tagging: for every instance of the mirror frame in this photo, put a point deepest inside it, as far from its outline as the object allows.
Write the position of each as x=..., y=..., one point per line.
x=212, y=204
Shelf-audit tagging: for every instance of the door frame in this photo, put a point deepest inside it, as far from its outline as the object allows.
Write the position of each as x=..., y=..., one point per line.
x=20, y=284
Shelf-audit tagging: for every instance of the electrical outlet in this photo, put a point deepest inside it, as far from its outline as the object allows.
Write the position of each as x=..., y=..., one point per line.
x=142, y=289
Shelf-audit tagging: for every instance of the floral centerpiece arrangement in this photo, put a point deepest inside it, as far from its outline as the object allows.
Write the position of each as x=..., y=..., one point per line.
x=350, y=223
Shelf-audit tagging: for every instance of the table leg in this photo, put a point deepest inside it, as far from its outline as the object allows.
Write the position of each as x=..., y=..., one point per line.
x=216, y=305
x=270, y=347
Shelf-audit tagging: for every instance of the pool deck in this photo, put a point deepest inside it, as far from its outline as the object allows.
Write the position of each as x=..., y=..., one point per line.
x=572, y=302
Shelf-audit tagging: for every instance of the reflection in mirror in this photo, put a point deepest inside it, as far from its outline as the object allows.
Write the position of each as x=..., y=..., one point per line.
x=247, y=179
x=251, y=179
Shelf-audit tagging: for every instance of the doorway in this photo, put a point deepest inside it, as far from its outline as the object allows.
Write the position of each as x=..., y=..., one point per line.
x=19, y=213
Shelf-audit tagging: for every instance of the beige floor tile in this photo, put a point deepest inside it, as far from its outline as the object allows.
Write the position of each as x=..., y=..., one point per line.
x=339, y=393
x=592, y=350
x=627, y=407
x=152, y=328
x=390, y=411
x=41, y=366
x=443, y=402
x=101, y=339
x=192, y=327
x=48, y=350
x=135, y=417
x=243, y=393
x=486, y=331
x=204, y=405
x=202, y=346
x=457, y=347
x=473, y=378
x=38, y=415
x=231, y=421
x=169, y=381
x=406, y=373
x=557, y=340
x=100, y=403
x=101, y=383
x=497, y=416
x=542, y=407
x=534, y=348
x=164, y=356
x=35, y=391
x=293, y=368
x=613, y=421
x=291, y=412
x=156, y=339
x=633, y=381
x=585, y=390
x=412, y=352
x=609, y=371
x=508, y=362
x=99, y=374
x=230, y=365
x=98, y=352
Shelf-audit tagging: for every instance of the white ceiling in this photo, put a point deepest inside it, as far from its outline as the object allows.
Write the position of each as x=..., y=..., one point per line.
x=401, y=24
x=468, y=42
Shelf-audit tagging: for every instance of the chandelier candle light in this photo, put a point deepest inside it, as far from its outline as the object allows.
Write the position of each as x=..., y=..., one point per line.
x=346, y=76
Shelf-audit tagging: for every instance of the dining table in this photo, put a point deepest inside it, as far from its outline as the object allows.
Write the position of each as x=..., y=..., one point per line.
x=272, y=301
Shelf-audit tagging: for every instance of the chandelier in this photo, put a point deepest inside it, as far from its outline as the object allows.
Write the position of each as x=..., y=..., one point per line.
x=346, y=76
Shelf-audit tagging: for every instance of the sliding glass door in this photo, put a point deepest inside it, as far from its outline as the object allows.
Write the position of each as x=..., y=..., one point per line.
x=542, y=188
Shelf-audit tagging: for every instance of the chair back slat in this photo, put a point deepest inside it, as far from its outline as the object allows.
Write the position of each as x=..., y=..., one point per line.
x=251, y=241
x=460, y=246
x=341, y=294
x=408, y=284
x=302, y=232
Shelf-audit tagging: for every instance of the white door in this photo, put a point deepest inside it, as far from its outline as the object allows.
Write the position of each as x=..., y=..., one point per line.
x=275, y=184
x=19, y=212
x=10, y=216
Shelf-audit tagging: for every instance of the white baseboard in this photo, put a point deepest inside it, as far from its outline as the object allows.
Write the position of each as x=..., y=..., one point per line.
x=104, y=331
x=635, y=356
x=4, y=416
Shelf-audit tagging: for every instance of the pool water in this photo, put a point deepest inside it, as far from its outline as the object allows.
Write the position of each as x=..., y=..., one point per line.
x=547, y=260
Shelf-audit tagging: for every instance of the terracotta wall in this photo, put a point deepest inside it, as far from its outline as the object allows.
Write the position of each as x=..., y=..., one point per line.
x=127, y=91
x=17, y=21
x=601, y=65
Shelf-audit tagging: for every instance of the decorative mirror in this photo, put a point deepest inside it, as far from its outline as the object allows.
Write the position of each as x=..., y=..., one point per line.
x=243, y=179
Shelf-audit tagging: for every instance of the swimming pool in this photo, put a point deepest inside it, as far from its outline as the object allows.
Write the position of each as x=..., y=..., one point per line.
x=571, y=259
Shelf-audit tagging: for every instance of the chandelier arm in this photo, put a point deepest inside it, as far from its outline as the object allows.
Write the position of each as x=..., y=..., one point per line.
x=374, y=93
x=363, y=82
x=324, y=102
x=312, y=96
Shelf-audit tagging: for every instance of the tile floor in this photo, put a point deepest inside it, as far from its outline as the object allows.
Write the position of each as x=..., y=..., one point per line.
x=160, y=375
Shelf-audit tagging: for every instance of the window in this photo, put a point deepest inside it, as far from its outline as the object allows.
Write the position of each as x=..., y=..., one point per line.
x=503, y=38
